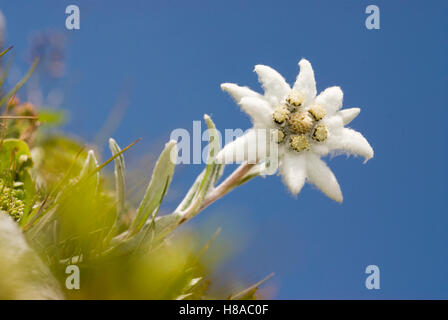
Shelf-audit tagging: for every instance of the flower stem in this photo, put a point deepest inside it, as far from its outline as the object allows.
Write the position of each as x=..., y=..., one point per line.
x=232, y=181
x=227, y=185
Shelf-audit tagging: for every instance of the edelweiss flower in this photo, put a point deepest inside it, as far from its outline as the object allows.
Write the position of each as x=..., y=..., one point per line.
x=305, y=127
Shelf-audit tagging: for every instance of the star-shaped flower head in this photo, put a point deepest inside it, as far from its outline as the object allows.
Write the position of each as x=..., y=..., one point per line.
x=305, y=126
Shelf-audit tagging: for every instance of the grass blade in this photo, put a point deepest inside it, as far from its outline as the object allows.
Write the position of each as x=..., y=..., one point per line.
x=249, y=292
x=6, y=97
x=5, y=51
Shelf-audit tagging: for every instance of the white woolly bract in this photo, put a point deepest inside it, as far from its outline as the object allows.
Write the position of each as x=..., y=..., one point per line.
x=306, y=165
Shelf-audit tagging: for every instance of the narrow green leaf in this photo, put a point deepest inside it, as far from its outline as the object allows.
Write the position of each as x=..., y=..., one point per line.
x=249, y=293
x=207, y=179
x=191, y=203
x=89, y=167
x=5, y=51
x=161, y=227
x=150, y=236
x=157, y=187
x=5, y=70
x=214, y=170
x=119, y=171
x=19, y=84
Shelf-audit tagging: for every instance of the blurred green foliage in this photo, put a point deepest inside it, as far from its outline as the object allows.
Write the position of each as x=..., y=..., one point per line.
x=61, y=213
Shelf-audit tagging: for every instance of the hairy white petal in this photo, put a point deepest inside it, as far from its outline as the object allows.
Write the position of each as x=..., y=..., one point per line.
x=320, y=175
x=321, y=149
x=258, y=109
x=293, y=171
x=331, y=99
x=250, y=147
x=351, y=142
x=305, y=82
x=233, y=152
x=333, y=122
x=348, y=115
x=274, y=85
x=294, y=167
x=238, y=92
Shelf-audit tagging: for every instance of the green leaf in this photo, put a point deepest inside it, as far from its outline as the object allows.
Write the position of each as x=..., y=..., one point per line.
x=151, y=235
x=51, y=117
x=89, y=174
x=164, y=225
x=119, y=171
x=157, y=188
x=14, y=153
x=212, y=169
x=207, y=179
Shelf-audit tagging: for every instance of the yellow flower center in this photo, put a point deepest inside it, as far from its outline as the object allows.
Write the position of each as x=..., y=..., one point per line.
x=320, y=133
x=299, y=125
x=280, y=115
x=300, y=122
x=317, y=111
x=278, y=136
x=299, y=142
x=295, y=99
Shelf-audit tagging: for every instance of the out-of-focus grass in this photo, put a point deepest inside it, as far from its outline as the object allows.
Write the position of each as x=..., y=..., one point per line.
x=56, y=211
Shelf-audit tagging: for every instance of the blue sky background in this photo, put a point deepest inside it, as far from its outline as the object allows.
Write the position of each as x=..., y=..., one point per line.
x=174, y=54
